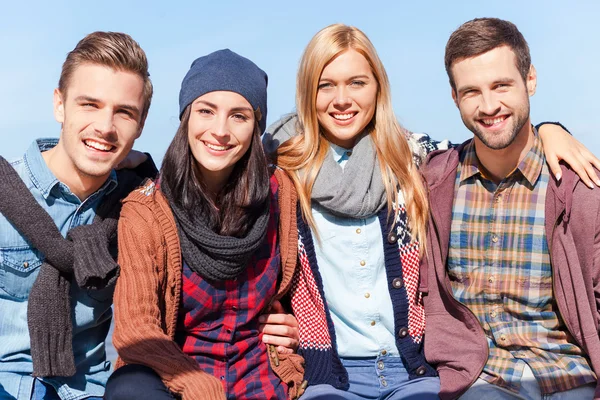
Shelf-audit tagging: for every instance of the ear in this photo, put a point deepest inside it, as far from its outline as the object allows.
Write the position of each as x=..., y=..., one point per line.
x=531, y=81
x=59, y=106
x=454, y=97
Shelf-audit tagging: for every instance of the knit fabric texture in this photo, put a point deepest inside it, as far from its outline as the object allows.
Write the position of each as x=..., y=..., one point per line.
x=317, y=334
x=149, y=289
x=227, y=71
x=84, y=255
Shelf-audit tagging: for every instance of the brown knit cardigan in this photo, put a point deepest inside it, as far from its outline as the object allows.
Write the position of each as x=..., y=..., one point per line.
x=148, y=291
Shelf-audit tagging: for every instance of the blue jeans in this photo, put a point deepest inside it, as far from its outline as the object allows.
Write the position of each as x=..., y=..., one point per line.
x=530, y=390
x=381, y=378
x=44, y=391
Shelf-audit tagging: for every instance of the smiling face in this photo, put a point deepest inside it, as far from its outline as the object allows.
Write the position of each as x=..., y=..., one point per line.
x=346, y=98
x=492, y=97
x=220, y=131
x=101, y=118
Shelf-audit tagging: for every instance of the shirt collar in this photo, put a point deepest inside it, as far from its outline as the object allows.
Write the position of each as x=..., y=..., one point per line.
x=530, y=166
x=44, y=180
x=339, y=153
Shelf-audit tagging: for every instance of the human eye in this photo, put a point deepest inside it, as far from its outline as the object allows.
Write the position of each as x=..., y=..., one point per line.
x=89, y=105
x=204, y=111
x=126, y=112
x=325, y=85
x=357, y=83
x=240, y=117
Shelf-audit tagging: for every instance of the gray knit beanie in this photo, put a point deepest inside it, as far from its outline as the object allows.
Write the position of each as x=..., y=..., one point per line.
x=228, y=71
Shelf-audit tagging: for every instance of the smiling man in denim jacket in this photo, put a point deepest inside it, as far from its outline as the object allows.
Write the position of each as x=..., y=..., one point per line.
x=52, y=342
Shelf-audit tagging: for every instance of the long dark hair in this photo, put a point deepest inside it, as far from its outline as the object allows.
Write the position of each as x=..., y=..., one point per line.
x=239, y=202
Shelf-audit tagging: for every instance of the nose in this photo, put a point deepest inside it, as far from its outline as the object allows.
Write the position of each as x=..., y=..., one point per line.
x=104, y=124
x=341, y=97
x=221, y=127
x=489, y=104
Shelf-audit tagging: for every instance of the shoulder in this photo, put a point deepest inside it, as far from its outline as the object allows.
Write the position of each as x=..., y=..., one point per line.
x=145, y=201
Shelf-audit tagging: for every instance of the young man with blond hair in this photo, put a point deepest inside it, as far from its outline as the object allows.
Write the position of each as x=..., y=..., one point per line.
x=59, y=205
x=513, y=262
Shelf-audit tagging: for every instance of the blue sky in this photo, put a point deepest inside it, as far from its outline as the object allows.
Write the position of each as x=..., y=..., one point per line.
x=409, y=35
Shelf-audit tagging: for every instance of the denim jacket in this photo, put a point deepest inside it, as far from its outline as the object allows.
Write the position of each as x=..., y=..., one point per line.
x=19, y=267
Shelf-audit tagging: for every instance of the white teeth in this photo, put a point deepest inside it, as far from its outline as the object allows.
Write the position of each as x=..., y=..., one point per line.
x=216, y=147
x=98, y=146
x=493, y=121
x=343, y=116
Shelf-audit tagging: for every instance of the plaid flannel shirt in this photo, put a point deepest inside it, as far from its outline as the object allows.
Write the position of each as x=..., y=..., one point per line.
x=499, y=267
x=218, y=321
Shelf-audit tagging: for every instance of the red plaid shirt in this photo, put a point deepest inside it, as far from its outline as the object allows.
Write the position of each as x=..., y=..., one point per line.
x=218, y=321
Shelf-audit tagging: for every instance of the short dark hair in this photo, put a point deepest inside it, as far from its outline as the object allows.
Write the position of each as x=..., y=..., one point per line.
x=481, y=35
x=110, y=49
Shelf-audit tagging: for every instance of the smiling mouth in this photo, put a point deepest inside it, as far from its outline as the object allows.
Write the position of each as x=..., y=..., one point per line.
x=218, y=147
x=493, y=121
x=94, y=145
x=344, y=116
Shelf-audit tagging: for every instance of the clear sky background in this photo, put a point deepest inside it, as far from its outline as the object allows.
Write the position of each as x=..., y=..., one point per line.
x=410, y=37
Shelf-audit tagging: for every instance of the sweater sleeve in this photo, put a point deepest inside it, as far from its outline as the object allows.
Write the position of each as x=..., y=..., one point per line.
x=597, y=268
x=139, y=336
x=421, y=144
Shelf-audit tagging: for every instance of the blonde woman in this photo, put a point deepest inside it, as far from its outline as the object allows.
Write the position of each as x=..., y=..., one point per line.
x=364, y=209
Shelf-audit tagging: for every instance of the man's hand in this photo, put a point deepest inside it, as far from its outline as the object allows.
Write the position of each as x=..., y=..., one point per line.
x=134, y=159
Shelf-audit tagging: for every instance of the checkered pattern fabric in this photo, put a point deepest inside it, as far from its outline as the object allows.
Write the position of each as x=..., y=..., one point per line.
x=218, y=321
x=499, y=266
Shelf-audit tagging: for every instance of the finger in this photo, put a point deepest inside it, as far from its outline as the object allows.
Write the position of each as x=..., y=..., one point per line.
x=594, y=163
x=278, y=319
x=554, y=167
x=580, y=170
x=280, y=341
x=279, y=330
x=284, y=350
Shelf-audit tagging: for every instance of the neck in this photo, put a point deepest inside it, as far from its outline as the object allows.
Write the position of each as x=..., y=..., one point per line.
x=81, y=185
x=214, y=182
x=498, y=164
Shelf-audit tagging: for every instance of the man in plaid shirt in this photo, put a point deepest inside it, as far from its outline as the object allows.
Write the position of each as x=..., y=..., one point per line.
x=513, y=253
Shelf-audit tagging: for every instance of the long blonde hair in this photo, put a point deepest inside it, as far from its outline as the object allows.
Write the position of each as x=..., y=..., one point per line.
x=307, y=150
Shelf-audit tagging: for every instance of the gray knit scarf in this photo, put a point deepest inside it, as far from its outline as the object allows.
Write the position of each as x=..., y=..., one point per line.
x=83, y=257
x=355, y=191
x=213, y=256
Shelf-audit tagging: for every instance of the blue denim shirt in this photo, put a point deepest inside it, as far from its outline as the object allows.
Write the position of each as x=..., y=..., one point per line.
x=19, y=267
x=352, y=265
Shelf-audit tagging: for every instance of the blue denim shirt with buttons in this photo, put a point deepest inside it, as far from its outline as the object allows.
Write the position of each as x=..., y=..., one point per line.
x=19, y=267
x=351, y=262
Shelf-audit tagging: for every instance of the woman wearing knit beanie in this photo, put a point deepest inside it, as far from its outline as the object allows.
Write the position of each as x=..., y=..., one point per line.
x=200, y=252
x=364, y=212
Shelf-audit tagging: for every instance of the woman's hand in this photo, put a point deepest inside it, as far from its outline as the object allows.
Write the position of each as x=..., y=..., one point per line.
x=559, y=145
x=280, y=329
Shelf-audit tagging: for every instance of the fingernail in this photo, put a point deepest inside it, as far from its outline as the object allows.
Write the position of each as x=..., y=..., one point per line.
x=558, y=176
x=265, y=338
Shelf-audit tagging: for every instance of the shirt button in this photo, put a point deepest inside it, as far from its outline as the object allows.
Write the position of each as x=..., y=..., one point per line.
x=383, y=352
x=421, y=371
x=234, y=308
x=503, y=338
x=348, y=153
x=380, y=365
x=367, y=295
x=498, y=198
x=397, y=283
x=25, y=264
x=372, y=323
x=491, y=279
x=358, y=231
x=493, y=314
x=222, y=378
x=363, y=263
x=228, y=330
x=383, y=382
x=495, y=238
x=403, y=332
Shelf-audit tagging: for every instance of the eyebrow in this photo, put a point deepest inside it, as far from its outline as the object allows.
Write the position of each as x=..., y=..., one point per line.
x=235, y=109
x=88, y=99
x=349, y=79
x=496, y=82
